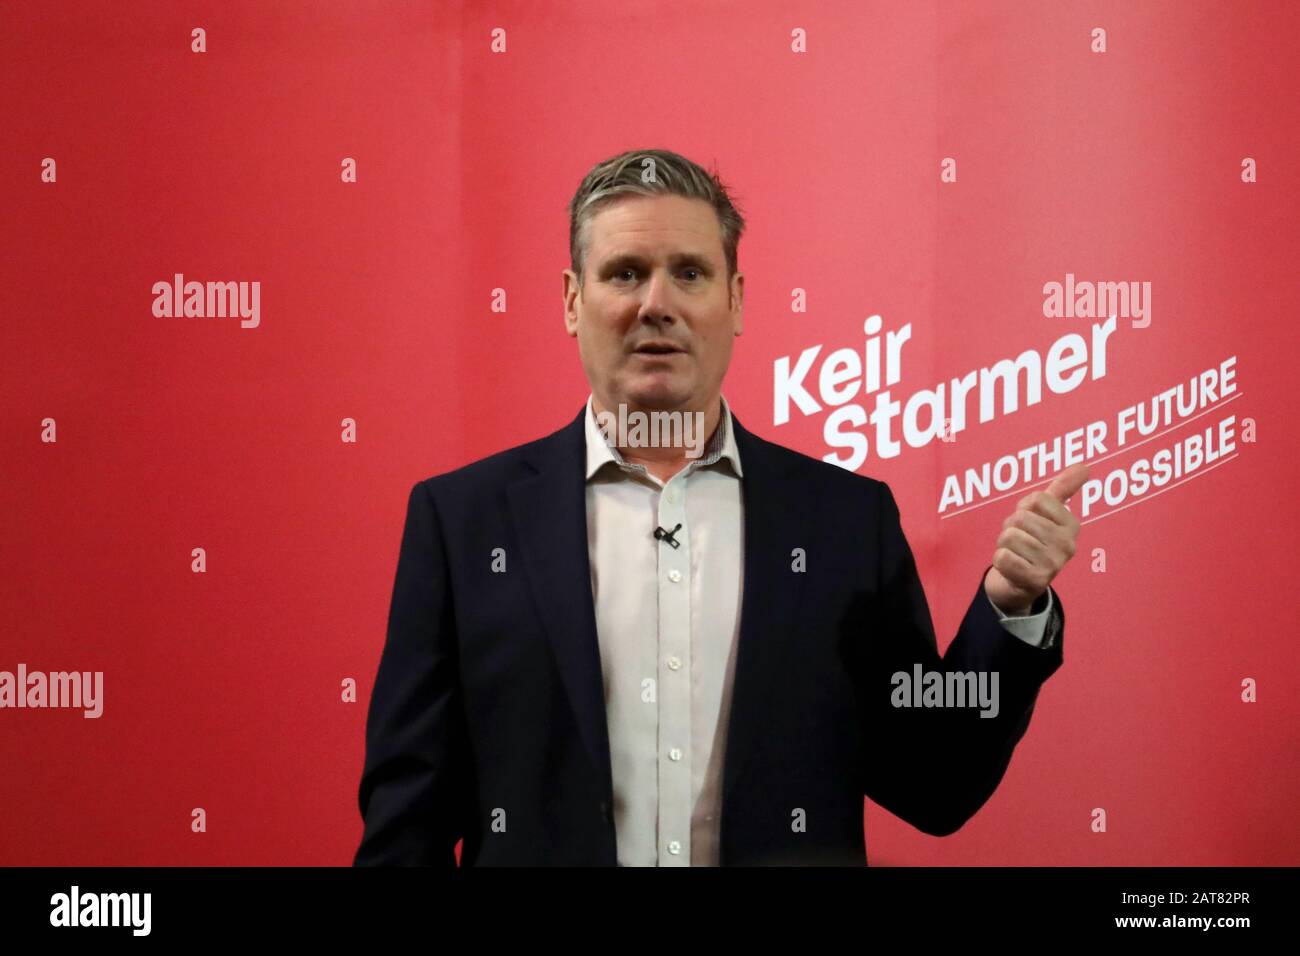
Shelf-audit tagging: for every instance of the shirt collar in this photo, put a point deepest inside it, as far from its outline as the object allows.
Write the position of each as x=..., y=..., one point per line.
x=722, y=444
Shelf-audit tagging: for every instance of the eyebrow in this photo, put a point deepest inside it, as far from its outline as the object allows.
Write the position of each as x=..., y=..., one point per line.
x=631, y=260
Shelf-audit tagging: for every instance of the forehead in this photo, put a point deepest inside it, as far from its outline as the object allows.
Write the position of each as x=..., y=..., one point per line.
x=648, y=224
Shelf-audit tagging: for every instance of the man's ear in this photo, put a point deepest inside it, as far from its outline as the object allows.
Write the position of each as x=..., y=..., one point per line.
x=572, y=292
x=738, y=303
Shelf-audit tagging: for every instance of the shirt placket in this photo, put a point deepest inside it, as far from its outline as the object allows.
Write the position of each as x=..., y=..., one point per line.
x=674, y=677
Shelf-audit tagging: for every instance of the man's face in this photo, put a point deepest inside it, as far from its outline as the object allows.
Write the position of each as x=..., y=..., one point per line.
x=655, y=316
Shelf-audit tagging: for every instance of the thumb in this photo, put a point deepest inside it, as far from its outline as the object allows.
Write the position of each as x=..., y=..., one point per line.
x=1065, y=484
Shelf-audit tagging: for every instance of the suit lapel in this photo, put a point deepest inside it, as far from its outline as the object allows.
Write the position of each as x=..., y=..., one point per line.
x=777, y=520
x=549, y=509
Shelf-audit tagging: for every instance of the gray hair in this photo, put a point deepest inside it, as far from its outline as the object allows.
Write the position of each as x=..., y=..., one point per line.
x=649, y=172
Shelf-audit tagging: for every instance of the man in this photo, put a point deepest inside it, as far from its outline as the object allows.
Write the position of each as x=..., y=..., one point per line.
x=604, y=652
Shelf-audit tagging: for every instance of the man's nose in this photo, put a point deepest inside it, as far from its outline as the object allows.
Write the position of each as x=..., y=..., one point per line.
x=657, y=300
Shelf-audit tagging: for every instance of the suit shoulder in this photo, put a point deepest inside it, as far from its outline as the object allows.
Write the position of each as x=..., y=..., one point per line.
x=822, y=474
x=491, y=471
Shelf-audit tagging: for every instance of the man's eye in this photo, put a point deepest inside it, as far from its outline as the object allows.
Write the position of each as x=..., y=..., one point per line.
x=622, y=274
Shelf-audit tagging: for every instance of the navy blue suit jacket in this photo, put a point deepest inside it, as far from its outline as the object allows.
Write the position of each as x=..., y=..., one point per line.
x=488, y=704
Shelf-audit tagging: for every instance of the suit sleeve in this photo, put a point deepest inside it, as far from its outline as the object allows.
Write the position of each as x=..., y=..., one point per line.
x=935, y=766
x=416, y=786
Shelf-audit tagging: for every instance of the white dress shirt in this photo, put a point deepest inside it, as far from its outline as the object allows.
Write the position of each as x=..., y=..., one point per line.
x=667, y=623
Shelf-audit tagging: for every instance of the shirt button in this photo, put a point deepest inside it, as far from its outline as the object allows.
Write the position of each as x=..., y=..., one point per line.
x=671, y=495
x=674, y=847
x=674, y=663
x=674, y=575
x=674, y=754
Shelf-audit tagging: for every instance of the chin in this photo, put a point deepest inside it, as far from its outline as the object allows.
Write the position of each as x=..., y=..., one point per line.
x=659, y=396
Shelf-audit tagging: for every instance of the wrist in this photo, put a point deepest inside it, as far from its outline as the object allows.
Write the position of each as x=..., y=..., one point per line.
x=1010, y=610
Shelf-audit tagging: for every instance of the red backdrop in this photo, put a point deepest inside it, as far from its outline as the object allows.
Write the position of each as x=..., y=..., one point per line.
x=833, y=124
